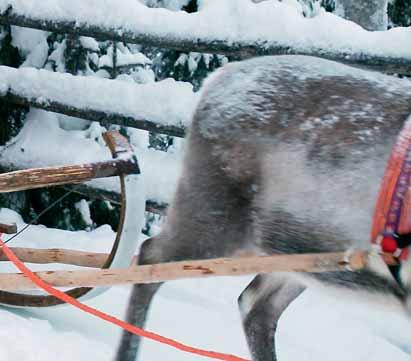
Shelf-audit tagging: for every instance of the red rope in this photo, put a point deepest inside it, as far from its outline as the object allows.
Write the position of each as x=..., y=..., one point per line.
x=126, y=326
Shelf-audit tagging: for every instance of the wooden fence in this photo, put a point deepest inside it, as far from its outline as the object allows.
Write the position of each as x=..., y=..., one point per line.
x=172, y=38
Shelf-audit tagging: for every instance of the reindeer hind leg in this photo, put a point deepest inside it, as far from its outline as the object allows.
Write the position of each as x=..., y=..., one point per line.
x=139, y=304
x=261, y=305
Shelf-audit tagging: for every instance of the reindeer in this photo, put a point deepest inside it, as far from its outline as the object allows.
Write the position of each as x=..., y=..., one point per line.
x=285, y=155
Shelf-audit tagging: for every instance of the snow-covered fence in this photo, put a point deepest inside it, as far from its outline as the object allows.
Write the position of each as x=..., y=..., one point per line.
x=239, y=28
x=145, y=106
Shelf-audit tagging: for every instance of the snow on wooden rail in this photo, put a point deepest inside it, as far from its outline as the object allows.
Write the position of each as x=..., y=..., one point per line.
x=239, y=28
x=319, y=262
x=163, y=107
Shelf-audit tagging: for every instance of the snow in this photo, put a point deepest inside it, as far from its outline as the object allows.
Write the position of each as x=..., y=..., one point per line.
x=32, y=44
x=202, y=313
x=124, y=57
x=166, y=102
x=268, y=23
x=89, y=43
x=84, y=209
x=169, y=4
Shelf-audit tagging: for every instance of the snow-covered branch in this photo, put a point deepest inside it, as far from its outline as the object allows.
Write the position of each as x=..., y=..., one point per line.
x=145, y=106
x=241, y=28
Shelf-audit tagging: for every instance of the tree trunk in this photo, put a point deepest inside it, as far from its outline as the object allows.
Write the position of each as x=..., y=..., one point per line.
x=370, y=14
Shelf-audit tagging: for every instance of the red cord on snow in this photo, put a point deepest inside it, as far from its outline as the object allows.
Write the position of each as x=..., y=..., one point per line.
x=106, y=317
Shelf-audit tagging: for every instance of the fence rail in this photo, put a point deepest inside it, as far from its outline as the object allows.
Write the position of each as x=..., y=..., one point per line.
x=350, y=53
x=144, y=106
x=95, y=115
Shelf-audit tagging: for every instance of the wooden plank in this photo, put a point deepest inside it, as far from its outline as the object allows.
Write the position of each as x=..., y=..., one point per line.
x=51, y=176
x=8, y=228
x=320, y=262
x=117, y=143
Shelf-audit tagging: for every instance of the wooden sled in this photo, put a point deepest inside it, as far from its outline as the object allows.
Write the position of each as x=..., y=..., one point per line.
x=125, y=166
x=114, y=268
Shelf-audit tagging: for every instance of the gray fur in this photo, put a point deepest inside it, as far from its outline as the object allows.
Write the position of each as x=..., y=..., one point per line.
x=285, y=155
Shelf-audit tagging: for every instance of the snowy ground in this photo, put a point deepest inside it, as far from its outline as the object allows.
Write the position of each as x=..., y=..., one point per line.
x=198, y=312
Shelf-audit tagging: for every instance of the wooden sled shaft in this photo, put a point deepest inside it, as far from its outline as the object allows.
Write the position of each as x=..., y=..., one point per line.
x=320, y=262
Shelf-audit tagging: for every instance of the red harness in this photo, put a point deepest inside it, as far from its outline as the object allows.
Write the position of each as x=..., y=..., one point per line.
x=391, y=229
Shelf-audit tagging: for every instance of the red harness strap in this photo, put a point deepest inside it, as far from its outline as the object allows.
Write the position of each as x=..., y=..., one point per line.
x=392, y=217
x=126, y=326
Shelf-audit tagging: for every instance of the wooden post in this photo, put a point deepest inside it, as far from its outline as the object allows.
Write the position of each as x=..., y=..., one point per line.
x=320, y=262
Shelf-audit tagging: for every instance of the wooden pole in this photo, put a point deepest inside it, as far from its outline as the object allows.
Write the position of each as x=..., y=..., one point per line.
x=58, y=255
x=51, y=176
x=239, y=49
x=320, y=262
x=8, y=228
x=97, y=115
